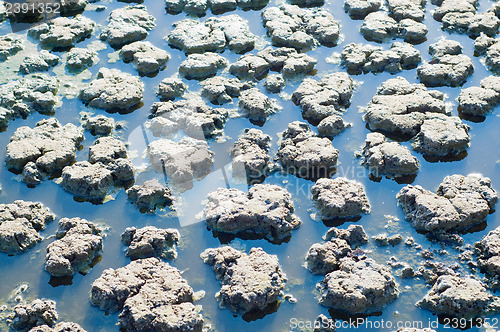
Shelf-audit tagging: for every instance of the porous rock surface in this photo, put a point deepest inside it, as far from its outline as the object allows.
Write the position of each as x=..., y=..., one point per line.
x=150, y=241
x=59, y=327
x=80, y=58
x=10, y=45
x=460, y=202
x=62, y=31
x=256, y=106
x=300, y=28
x=151, y=294
x=38, y=312
x=78, y=242
x=220, y=90
x=127, y=25
x=200, y=7
x=20, y=223
x=213, y=35
x=354, y=235
x=251, y=151
x=99, y=124
x=39, y=62
x=358, y=286
x=266, y=210
x=250, y=281
x=150, y=195
x=304, y=154
x=113, y=89
x=42, y=150
x=487, y=251
x=170, y=88
x=378, y=27
x=340, y=198
x=146, y=57
x=478, y=101
x=384, y=157
x=358, y=9
x=202, y=66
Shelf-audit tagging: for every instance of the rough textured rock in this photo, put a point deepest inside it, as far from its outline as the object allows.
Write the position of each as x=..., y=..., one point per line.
x=328, y=96
x=49, y=145
x=80, y=58
x=69, y=7
x=453, y=7
x=20, y=98
x=99, y=124
x=358, y=9
x=150, y=241
x=147, y=58
x=202, y=66
x=107, y=165
x=354, y=235
x=127, y=25
x=274, y=83
x=20, y=223
x=113, y=90
x=251, y=152
x=38, y=312
x=384, y=157
x=59, y=327
x=171, y=87
x=149, y=195
x=79, y=243
x=325, y=258
x=379, y=27
x=300, y=28
x=360, y=58
x=478, y=101
x=199, y=7
x=458, y=297
x=181, y=161
x=63, y=31
x=249, y=281
x=10, y=45
x=193, y=116
x=412, y=31
x=460, y=202
x=153, y=295
x=358, y=287
x=267, y=210
x=38, y=62
x=340, y=198
x=213, y=35
x=250, y=66
x=220, y=90
x=487, y=251
x=306, y=155
x=256, y=106
x=406, y=9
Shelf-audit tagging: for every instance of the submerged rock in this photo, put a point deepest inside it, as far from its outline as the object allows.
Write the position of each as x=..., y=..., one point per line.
x=340, y=198
x=113, y=89
x=79, y=243
x=10, y=45
x=214, y=35
x=147, y=58
x=250, y=282
x=20, y=224
x=150, y=241
x=461, y=297
x=358, y=287
x=171, y=87
x=127, y=25
x=384, y=157
x=256, y=106
x=220, y=90
x=42, y=150
x=38, y=62
x=152, y=294
x=99, y=125
x=460, y=202
x=149, y=195
x=267, y=210
x=328, y=96
x=251, y=152
x=478, y=101
x=63, y=31
x=306, y=155
x=80, y=58
x=38, y=312
x=202, y=66
x=300, y=28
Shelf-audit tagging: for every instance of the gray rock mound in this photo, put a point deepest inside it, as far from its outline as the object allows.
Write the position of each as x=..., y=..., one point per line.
x=72, y=6
x=304, y=154
x=300, y=28
x=460, y=202
x=150, y=195
x=354, y=235
x=99, y=125
x=42, y=150
x=274, y=83
x=59, y=327
x=340, y=198
x=478, y=101
x=256, y=106
x=358, y=9
x=42, y=61
x=323, y=258
x=200, y=7
x=220, y=90
x=150, y=241
x=127, y=25
x=384, y=157
x=39, y=312
x=171, y=87
x=63, y=31
x=249, y=281
x=147, y=58
x=80, y=58
x=379, y=27
x=267, y=210
x=79, y=243
x=487, y=251
x=214, y=35
x=112, y=90
x=461, y=297
x=152, y=294
x=358, y=287
x=251, y=152
x=10, y=45
x=20, y=223
x=202, y=66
